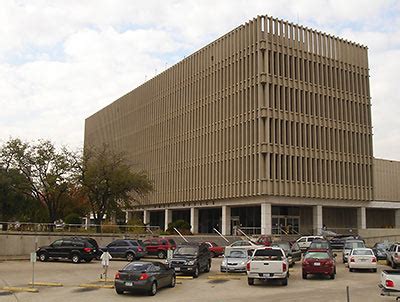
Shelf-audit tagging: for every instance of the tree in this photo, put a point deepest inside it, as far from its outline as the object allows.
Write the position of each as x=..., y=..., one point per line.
x=49, y=172
x=110, y=183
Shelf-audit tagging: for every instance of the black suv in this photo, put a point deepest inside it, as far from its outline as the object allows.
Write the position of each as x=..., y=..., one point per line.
x=96, y=249
x=126, y=248
x=74, y=249
x=191, y=258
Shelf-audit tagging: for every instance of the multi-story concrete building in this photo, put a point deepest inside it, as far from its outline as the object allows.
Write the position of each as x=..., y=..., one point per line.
x=268, y=127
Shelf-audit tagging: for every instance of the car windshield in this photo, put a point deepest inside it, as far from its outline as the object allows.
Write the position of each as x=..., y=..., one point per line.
x=354, y=245
x=186, y=250
x=268, y=254
x=284, y=245
x=137, y=267
x=237, y=254
x=362, y=252
x=316, y=255
x=319, y=245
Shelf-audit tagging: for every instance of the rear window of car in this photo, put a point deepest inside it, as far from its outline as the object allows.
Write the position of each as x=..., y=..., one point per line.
x=354, y=245
x=268, y=254
x=362, y=252
x=283, y=245
x=319, y=245
x=316, y=255
x=137, y=267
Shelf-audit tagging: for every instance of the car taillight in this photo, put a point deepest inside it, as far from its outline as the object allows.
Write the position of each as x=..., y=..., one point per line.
x=389, y=283
x=284, y=266
x=143, y=276
x=248, y=266
x=352, y=260
x=87, y=249
x=373, y=259
x=117, y=276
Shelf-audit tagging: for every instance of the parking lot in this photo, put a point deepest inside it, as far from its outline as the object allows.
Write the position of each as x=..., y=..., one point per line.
x=363, y=285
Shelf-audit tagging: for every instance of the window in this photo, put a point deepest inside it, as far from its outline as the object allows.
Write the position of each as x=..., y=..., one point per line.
x=57, y=243
x=66, y=243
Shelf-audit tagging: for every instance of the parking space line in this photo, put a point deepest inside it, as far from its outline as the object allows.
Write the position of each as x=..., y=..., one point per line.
x=20, y=289
x=91, y=285
x=184, y=277
x=52, y=284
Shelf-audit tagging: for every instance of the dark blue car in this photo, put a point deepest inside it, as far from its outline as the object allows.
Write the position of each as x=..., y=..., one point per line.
x=126, y=248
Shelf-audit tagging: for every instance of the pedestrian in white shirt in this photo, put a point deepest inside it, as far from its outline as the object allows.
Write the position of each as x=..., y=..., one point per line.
x=105, y=262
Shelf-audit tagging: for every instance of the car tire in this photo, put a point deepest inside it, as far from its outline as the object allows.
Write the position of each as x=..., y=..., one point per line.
x=119, y=291
x=130, y=257
x=393, y=265
x=153, y=289
x=304, y=276
x=43, y=257
x=351, y=270
x=208, y=267
x=161, y=255
x=196, y=272
x=250, y=281
x=332, y=276
x=374, y=270
x=284, y=282
x=75, y=258
x=173, y=281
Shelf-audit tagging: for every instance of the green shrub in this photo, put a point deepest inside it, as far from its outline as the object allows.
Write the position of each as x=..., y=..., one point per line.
x=73, y=218
x=181, y=225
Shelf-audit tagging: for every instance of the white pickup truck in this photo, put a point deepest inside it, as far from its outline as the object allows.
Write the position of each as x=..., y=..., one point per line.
x=268, y=263
x=390, y=283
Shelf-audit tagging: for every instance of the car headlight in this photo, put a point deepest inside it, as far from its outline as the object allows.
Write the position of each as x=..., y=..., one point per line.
x=191, y=262
x=243, y=263
x=223, y=263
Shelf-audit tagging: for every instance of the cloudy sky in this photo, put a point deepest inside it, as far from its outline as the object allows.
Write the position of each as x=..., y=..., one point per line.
x=61, y=61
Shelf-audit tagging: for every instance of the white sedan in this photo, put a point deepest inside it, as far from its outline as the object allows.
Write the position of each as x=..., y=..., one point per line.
x=362, y=258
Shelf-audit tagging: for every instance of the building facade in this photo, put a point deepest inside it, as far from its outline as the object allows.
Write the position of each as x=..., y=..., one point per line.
x=268, y=128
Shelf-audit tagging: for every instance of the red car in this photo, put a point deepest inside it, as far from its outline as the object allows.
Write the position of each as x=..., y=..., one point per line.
x=264, y=240
x=159, y=246
x=215, y=249
x=319, y=262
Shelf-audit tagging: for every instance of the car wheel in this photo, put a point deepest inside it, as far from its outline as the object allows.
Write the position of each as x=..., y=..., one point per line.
x=43, y=257
x=394, y=266
x=284, y=282
x=332, y=276
x=250, y=281
x=304, y=276
x=75, y=258
x=173, y=281
x=119, y=291
x=153, y=289
x=161, y=255
x=374, y=270
x=212, y=254
x=196, y=272
x=351, y=270
x=130, y=257
x=208, y=267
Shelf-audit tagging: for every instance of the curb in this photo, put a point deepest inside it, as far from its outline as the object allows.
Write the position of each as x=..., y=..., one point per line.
x=52, y=284
x=86, y=285
x=20, y=289
x=184, y=277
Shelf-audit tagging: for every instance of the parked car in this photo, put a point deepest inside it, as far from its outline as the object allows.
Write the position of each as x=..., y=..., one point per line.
x=96, y=249
x=159, y=246
x=390, y=283
x=126, y=248
x=148, y=276
x=191, y=258
x=349, y=245
x=362, y=258
x=393, y=255
x=337, y=242
x=215, y=249
x=320, y=244
x=292, y=252
x=305, y=241
x=235, y=260
x=67, y=248
x=268, y=263
x=247, y=244
x=264, y=240
x=380, y=250
x=318, y=262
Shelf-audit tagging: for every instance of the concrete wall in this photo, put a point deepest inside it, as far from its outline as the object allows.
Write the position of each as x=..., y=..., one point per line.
x=22, y=244
x=386, y=180
x=372, y=236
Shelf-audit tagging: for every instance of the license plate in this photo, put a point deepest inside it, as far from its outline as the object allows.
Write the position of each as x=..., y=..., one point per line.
x=177, y=269
x=128, y=283
x=317, y=264
x=266, y=275
x=363, y=260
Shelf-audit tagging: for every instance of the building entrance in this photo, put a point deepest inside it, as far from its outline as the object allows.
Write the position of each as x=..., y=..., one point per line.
x=285, y=224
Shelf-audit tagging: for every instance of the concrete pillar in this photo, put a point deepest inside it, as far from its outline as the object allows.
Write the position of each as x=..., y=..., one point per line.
x=168, y=218
x=397, y=219
x=226, y=220
x=317, y=219
x=146, y=217
x=266, y=219
x=194, y=220
x=361, y=218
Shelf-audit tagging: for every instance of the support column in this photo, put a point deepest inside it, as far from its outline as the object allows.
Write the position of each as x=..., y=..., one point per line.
x=361, y=218
x=397, y=219
x=146, y=217
x=266, y=219
x=168, y=218
x=317, y=220
x=194, y=220
x=226, y=220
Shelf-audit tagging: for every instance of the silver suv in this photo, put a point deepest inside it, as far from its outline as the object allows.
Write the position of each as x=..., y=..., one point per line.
x=349, y=245
x=393, y=255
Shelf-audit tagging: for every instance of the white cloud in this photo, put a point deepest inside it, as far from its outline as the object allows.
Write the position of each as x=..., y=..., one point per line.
x=60, y=61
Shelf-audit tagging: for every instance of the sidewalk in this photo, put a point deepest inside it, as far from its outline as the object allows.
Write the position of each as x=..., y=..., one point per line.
x=16, y=257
